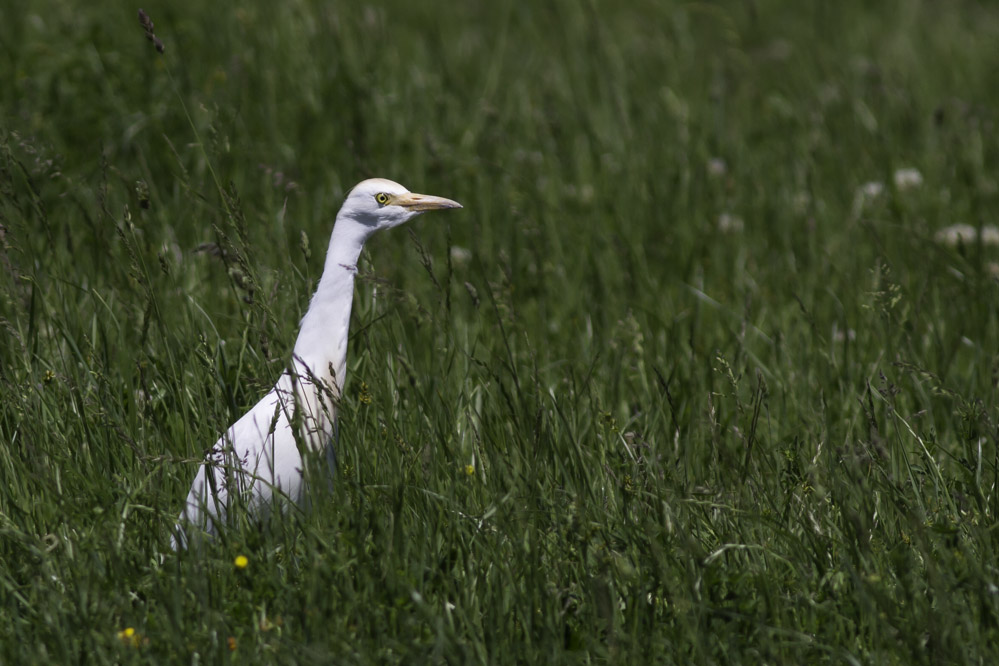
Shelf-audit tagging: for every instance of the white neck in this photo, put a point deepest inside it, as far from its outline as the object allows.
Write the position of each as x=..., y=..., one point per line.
x=322, y=340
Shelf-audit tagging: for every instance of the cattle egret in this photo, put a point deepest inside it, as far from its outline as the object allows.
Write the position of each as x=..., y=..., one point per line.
x=260, y=457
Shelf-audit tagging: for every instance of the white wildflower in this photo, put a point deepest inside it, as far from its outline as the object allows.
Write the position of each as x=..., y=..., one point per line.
x=839, y=335
x=460, y=255
x=956, y=233
x=965, y=233
x=907, y=179
x=730, y=224
x=871, y=190
x=717, y=167
x=866, y=193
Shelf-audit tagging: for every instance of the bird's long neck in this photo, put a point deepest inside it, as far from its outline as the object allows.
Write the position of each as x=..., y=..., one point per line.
x=322, y=340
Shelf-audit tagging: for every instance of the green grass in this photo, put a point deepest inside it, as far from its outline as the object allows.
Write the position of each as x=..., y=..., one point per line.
x=773, y=445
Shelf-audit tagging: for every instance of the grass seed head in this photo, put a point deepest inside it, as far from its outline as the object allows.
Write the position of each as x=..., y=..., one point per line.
x=147, y=25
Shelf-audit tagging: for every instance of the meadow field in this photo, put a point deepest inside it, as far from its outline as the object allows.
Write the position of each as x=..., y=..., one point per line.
x=704, y=372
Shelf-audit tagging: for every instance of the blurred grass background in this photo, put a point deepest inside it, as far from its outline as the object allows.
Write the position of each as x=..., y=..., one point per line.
x=680, y=384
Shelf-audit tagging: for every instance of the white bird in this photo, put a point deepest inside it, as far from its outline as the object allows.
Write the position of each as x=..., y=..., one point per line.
x=260, y=456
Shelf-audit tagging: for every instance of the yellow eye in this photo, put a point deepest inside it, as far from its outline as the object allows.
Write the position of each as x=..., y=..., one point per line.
x=382, y=198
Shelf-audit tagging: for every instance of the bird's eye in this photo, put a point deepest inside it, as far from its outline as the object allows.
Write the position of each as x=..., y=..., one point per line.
x=382, y=198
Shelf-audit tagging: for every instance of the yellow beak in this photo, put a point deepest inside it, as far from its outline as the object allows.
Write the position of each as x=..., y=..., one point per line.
x=421, y=202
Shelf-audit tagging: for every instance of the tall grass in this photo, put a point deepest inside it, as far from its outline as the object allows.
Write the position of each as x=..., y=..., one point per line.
x=671, y=388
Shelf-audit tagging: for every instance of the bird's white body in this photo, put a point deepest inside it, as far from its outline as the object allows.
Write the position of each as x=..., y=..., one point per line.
x=261, y=455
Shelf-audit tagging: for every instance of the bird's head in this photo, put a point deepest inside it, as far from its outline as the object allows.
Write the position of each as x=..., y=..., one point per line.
x=379, y=204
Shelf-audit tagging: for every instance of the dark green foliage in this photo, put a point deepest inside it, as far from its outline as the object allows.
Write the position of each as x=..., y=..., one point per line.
x=670, y=389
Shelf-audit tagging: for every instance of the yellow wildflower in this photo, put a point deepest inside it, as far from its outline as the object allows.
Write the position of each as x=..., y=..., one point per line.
x=129, y=636
x=241, y=561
